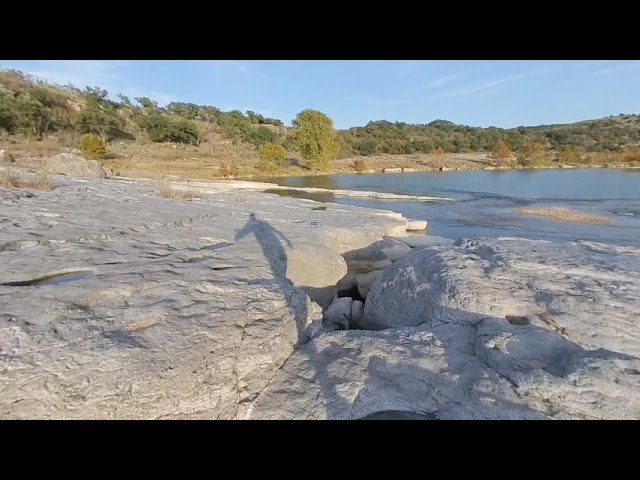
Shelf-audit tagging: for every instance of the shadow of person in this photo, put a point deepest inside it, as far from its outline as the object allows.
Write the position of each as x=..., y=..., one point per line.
x=271, y=242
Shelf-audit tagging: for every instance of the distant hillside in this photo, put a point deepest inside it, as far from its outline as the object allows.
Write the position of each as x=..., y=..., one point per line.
x=32, y=108
x=607, y=134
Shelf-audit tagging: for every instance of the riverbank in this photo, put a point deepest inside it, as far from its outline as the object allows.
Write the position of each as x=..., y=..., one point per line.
x=119, y=303
x=160, y=161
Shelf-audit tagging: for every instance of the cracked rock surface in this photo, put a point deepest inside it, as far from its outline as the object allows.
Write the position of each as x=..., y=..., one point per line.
x=115, y=303
x=488, y=329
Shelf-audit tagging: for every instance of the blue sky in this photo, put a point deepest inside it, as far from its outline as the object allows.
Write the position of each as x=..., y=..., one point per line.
x=503, y=93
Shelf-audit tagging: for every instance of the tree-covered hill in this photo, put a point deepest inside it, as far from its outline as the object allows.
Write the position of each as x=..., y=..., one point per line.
x=32, y=108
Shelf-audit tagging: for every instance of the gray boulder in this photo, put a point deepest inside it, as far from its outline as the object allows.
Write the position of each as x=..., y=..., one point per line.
x=365, y=281
x=377, y=256
x=316, y=269
x=490, y=329
x=416, y=225
x=356, y=311
x=73, y=166
x=585, y=291
x=339, y=312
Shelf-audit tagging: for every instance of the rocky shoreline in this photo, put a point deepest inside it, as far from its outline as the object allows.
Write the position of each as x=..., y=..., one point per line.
x=116, y=303
x=449, y=168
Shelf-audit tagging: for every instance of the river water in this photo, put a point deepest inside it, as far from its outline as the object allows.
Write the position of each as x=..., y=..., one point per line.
x=485, y=201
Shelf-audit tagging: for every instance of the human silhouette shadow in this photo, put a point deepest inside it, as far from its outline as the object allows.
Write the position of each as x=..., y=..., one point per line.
x=271, y=243
x=269, y=240
x=332, y=359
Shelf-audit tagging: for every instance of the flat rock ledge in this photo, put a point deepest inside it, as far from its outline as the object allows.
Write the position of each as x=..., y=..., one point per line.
x=117, y=303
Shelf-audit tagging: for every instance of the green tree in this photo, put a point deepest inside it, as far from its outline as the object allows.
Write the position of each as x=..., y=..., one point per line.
x=258, y=136
x=367, y=146
x=98, y=115
x=162, y=128
x=272, y=156
x=421, y=146
x=8, y=113
x=125, y=101
x=568, y=155
x=148, y=106
x=190, y=111
x=316, y=138
x=35, y=110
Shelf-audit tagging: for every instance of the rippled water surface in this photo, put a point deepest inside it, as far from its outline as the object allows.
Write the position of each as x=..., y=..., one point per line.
x=485, y=201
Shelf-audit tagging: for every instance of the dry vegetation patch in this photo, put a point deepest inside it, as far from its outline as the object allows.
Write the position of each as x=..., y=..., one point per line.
x=40, y=181
x=564, y=215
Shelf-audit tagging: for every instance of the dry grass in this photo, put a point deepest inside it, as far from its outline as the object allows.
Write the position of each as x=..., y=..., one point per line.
x=241, y=197
x=7, y=180
x=360, y=165
x=41, y=181
x=165, y=190
x=218, y=158
x=188, y=195
x=564, y=215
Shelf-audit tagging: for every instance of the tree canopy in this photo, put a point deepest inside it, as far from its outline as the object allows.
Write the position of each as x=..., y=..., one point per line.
x=315, y=137
x=33, y=107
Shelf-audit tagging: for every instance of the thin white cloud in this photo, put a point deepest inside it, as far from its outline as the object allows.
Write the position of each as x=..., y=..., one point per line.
x=492, y=85
x=390, y=101
x=229, y=64
x=613, y=68
x=438, y=82
x=406, y=68
x=239, y=68
x=80, y=73
x=475, y=88
x=458, y=92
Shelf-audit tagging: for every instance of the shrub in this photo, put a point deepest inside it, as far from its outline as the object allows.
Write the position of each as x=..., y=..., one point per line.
x=41, y=181
x=568, y=155
x=359, y=165
x=421, y=146
x=367, y=146
x=162, y=128
x=259, y=136
x=502, y=153
x=166, y=192
x=7, y=180
x=226, y=170
x=92, y=147
x=272, y=156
